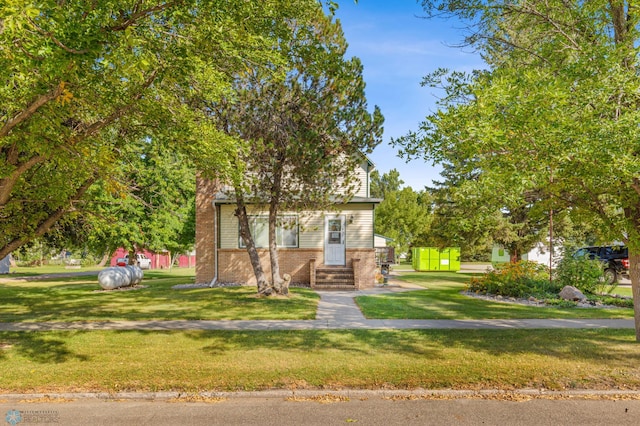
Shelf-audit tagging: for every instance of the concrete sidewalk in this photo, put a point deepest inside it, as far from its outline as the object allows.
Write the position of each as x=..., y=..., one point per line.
x=336, y=310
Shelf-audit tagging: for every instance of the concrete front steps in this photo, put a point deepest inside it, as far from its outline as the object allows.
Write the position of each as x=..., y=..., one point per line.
x=334, y=278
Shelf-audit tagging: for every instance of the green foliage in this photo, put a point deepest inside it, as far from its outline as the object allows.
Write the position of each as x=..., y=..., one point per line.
x=560, y=303
x=621, y=302
x=404, y=215
x=444, y=298
x=303, y=125
x=85, y=86
x=554, y=113
x=520, y=279
x=385, y=184
x=583, y=273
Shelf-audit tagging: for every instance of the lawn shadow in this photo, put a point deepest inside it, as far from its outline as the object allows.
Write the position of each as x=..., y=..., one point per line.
x=617, y=346
x=42, y=348
x=592, y=345
x=358, y=342
x=84, y=300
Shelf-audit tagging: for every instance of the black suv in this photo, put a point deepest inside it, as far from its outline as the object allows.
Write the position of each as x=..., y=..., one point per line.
x=614, y=258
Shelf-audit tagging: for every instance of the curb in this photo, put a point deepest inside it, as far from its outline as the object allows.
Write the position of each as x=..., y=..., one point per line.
x=515, y=394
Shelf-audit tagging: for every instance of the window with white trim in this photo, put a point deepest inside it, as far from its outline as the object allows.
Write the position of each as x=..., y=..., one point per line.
x=286, y=231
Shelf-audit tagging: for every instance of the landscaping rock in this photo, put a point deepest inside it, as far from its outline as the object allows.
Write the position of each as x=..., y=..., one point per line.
x=569, y=292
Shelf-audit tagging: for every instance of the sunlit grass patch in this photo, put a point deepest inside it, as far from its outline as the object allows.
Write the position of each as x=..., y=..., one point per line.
x=82, y=299
x=196, y=361
x=442, y=299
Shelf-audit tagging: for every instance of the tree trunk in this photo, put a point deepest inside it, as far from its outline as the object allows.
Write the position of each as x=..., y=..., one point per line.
x=514, y=255
x=634, y=272
x=173, y=259
x=105, y=258
x=276, y=190
x=632, y=214
x=273, y=253
x=241, y=213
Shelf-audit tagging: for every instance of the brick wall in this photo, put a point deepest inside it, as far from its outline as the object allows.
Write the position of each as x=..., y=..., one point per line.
x=235, y=266
x=205, y=230
x=367, y=265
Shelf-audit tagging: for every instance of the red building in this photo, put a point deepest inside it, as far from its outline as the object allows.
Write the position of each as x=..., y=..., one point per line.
x=159, y=260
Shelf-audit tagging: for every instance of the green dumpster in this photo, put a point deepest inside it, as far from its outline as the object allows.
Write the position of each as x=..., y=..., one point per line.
x=434, y=259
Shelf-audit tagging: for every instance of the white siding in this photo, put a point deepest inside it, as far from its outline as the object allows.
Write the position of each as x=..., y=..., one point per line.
x=380, y=242
x=363, y=178
x=312, y=230
x=228, y=227
x=362, y=181
x=359, y=232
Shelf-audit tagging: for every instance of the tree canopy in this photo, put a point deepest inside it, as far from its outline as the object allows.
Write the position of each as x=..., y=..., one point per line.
x=555, y=112
x=304, y=127
x=85, y=83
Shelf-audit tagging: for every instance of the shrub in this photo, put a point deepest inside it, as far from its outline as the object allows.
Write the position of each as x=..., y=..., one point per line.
x=519, y=279
x=620, y=302
x=583, y=273
x=560, y=303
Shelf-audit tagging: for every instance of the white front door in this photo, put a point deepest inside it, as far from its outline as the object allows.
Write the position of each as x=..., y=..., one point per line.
x=334, y=241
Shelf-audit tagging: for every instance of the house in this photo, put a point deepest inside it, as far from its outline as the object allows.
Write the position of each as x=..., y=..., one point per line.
x=325, y=249
x=539, y=254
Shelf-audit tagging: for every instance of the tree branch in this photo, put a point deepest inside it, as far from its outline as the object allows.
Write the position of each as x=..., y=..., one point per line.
x=7, y=184
x=138, y=14
x=100, y=124
x=55, y=40
x=30, y=110
x=49, y=221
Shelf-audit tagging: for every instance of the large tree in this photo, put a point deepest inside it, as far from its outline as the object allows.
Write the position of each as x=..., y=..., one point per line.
x=84, y=82
x=556, y=111
x=304, y=125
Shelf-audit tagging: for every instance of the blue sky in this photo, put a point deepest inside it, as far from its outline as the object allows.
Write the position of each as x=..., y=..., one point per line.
x=397, y=49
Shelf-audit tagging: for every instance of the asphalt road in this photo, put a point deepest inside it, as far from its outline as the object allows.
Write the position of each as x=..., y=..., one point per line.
x=372, y=410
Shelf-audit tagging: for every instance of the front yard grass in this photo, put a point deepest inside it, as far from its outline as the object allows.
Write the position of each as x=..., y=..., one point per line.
x=442, y=299
x=81, y=298
x=196, y=361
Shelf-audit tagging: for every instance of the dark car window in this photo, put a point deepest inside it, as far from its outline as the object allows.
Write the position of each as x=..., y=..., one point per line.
x=605, y=252
x=580, y=253
x=619, y=251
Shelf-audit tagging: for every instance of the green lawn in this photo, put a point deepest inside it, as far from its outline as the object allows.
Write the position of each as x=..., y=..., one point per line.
x=321, y=359
x=442, y=299
x=22, y=271
x=195, y=361
x=82, y=299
